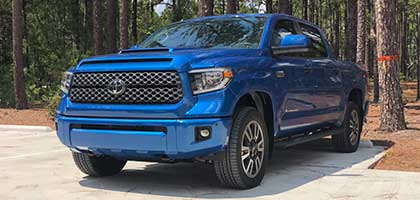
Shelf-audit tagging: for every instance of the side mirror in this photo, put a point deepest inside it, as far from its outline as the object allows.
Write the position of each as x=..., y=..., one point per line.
x=290, y=44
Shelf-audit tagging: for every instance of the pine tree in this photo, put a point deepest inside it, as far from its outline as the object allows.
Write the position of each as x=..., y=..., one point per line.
x=111, y=28
x=392, y=108
x=351, y=33
x=361, y=30
x=134, y=22
x=418, y=52
x=124, y=24
x=232, y=6
x=97, y=27
x=374, y=55
x=305, y=9
x=285, y=7
x=269, y=6
x=337, y=21
x=18, y=57
x=205, y=7
x=403, y=38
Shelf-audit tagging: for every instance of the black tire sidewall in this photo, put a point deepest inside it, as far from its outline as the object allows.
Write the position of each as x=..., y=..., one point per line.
x=98, y=165
x=251, y=114
x=347, y=146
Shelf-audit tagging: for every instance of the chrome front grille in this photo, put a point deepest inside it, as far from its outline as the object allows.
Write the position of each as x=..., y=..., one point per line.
x=163, y=87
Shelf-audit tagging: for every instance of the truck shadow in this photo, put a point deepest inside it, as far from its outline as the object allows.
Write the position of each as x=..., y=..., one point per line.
x=288, y=169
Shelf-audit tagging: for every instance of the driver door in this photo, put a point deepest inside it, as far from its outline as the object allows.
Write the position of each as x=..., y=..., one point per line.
x=295, y=76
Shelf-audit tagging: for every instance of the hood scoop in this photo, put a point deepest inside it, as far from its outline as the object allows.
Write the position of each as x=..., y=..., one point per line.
x=145, y=50
x=140, y=60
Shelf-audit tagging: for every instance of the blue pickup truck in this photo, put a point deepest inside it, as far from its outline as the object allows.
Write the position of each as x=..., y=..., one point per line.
x=222, y=90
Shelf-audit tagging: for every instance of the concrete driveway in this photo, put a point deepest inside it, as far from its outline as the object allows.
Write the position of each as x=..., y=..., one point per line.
x=36, y=166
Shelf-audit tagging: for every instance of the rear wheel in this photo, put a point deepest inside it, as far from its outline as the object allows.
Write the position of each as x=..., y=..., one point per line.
x=98, y=165
x=246, y=155
x=348, y=141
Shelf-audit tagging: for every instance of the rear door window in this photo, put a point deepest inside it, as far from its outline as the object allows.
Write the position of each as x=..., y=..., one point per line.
x=318, y=48
x=282, y=29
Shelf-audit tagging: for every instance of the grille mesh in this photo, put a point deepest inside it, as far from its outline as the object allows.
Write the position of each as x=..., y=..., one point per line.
x=141, y=88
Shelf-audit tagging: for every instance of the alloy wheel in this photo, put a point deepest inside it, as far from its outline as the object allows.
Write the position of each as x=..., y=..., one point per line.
x=252, y=149
x=354, y=127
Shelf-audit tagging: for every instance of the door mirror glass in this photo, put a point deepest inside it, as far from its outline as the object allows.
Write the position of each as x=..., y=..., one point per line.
x=296, y=40
x=293, y=44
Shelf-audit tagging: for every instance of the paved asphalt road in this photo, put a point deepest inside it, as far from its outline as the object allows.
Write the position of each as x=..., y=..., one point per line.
x=36, y=166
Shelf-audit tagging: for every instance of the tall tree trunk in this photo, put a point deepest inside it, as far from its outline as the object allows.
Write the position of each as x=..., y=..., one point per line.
x=124, y=24
x=369, y=48
x=85, y=14
x=337, y=21
x=134, y=22
x=373, y=41
x=330, y=19
x=269, y=6
x=151, y=10
x=87, y=23
x=351, y=33
x=205, y=7
x=291, y=7
x=418, y=53
x=75, y=10
x=361, y=30
x=111, y=26
x=176, y=10
x=284, y=7
x=232, y=6
x=320, y=19
x=305, y=9
x=403, y=39
x=97, y=27
x=315, y=11
x=391, y=104
x=18, y=57
x=312, y=11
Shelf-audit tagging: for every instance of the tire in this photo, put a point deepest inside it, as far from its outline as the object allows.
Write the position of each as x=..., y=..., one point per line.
x=98, y=165
x=348, y=141
x=230, y=170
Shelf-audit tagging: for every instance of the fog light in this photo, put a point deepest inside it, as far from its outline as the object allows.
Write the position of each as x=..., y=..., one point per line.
x=202, y=133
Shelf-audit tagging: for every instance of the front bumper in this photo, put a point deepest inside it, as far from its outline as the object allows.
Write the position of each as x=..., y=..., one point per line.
x=175, y=141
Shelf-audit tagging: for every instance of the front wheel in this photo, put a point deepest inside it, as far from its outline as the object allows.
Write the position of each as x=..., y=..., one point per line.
x=246, y=155
x=98, y=165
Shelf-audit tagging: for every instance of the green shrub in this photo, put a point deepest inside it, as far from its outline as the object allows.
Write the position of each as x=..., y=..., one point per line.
x=53, y=104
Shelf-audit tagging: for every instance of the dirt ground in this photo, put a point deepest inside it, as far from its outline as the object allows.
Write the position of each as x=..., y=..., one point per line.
x=403, y=153
x=33, y=117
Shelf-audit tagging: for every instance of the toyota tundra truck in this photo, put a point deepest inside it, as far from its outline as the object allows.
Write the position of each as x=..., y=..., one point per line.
x=222, y=90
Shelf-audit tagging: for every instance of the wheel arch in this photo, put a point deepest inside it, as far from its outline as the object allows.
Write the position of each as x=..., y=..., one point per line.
x=262, y=101
x=356, y=96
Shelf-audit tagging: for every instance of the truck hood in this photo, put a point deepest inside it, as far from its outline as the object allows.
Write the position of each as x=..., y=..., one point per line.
x=180, y=59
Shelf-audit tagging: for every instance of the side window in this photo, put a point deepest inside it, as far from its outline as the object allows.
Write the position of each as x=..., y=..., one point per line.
x=318, y=49
x=282, y=28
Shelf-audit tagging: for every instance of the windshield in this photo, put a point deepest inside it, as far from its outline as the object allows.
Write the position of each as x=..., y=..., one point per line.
x=237, y=32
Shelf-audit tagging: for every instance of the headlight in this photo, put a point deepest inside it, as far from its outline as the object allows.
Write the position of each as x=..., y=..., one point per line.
x=65, y=82
x=208, y=80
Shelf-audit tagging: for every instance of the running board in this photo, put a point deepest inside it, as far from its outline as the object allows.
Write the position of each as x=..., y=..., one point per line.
x=285, y=142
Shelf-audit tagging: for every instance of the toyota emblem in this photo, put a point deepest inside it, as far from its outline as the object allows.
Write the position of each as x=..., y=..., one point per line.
x=116, y=87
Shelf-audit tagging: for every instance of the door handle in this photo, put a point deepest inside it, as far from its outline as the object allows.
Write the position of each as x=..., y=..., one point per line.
x=280, y=74
x=307, y=70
